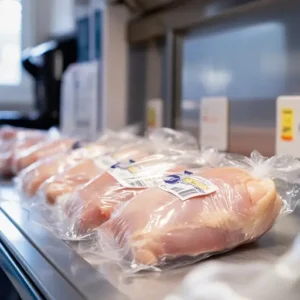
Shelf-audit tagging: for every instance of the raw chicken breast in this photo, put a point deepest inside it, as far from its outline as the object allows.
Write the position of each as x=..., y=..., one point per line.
x=65, y=183
x=23, y=159
x=32, y=177
x=157, y=226
x=93, y=204
x=97, y=201
x=73, y=178
x=7, y=132
x=14, y=143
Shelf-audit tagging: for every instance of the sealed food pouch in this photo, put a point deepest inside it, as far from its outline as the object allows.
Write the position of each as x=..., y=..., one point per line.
x=193, y=215
x=13, y=141
x=45, y=149
x=8, y=132
x=31, y=178
x=61, y=186
x=94, y=203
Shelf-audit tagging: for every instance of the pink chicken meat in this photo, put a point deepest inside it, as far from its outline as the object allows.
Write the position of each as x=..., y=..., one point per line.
x=13, y=142
x=156, y=225
x=85, y=171
x=93, y=204
x=36, y=174
x=23, y=159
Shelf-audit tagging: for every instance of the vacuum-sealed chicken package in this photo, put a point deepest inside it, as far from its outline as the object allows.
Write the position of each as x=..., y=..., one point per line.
x=194, y=214
x=12, y=141
x=77, y=215
x=62, y=185
x=61, y=193
x=31, y=178
x=25, y=158
x=8, y=132
x=258, y=280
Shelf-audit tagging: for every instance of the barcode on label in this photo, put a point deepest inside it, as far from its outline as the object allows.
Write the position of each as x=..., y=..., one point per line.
x=137, y=183
x=184, y=193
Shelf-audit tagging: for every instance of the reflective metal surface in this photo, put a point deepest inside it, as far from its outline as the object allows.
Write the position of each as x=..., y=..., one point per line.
x=57, y=271
x=183, y=14
x=22, y=284
x=61, y=274
x=252, y=58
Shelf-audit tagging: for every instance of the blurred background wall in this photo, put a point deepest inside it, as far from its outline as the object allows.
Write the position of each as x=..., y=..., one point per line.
x=44, y=18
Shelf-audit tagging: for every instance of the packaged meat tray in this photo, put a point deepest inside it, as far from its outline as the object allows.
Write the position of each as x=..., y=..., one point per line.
x=193, y=215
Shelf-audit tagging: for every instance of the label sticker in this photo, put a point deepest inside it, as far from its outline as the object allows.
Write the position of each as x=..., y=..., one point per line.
x=105, y=161
x=287, y=124
x=154, y=113
x=129, y=176
x=186, y=186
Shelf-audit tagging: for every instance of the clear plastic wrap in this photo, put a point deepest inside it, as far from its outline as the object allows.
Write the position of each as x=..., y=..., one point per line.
x=58, y=190
x=51, y=146
x=194, y=215
x=8, y=132
x=31, y=178
x=167, y=136
x=13, y=140
x=62, y=185
x=76, y=215
x=252, y=281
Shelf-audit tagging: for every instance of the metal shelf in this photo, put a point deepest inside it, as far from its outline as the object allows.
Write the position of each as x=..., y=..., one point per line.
x=43, y=267
x=48, y=266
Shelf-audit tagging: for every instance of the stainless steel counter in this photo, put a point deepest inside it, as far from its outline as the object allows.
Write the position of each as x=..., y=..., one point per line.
x=58, y=272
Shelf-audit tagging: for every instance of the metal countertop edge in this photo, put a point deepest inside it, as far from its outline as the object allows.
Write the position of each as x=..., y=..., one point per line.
x=69, y=289
x=97, y=288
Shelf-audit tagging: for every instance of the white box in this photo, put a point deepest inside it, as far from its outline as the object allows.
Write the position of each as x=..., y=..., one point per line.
x=214, y=122
x=288, y=125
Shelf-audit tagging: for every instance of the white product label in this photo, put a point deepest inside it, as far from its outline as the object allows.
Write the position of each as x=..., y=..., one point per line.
x=288, y=125
x=144, y=182
x=129, y=176
x=105, y=161
x=154, y=113
x=187, y=186
x=214, y=118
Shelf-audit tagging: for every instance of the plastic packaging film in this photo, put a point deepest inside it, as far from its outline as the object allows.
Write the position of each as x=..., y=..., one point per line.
x=87, y=168
x=92, y=204
x=12, y=142
x=192, y=216
x=40, y=151
x=31, y=178
x=149, y=203
x=60, y=186
x=251, y=281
